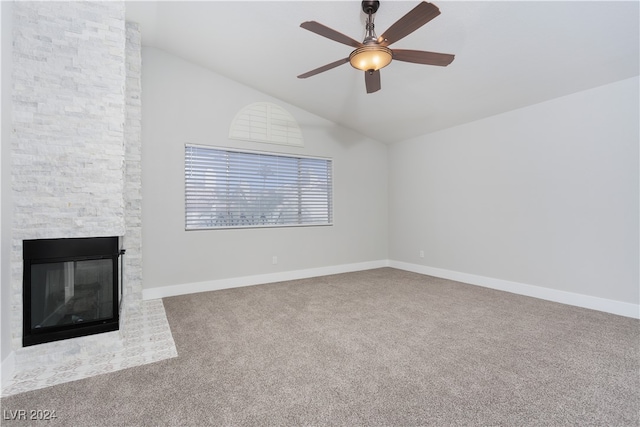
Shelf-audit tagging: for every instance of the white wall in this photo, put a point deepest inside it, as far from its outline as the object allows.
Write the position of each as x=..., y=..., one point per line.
x=546, y=195
x=184, y=103
x=5, y=179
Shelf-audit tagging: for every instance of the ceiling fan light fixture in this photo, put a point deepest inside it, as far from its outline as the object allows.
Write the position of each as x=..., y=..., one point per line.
x=370, y=57
x=372, y=54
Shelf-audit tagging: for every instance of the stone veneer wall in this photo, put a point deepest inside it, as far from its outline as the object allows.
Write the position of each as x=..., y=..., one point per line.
x=132, y=240
x=73, y=147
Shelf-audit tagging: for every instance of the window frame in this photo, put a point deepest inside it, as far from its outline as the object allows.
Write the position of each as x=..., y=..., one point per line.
x=330, y=200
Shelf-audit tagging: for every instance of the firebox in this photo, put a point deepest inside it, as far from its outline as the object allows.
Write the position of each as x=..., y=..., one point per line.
x=70, y=288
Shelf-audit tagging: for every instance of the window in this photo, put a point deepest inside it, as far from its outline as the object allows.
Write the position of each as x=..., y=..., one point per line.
x=229, y=189
x=266, y=122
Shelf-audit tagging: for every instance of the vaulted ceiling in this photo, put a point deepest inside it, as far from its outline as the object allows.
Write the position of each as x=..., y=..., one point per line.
x=509, y=54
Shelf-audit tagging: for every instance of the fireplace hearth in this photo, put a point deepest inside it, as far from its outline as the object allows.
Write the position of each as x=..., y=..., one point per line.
x=70, y=288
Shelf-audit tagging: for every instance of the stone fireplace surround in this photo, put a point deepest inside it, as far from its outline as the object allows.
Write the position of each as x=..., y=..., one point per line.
x=76, y=172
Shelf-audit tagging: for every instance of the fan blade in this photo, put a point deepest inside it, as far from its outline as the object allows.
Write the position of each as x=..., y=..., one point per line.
x=323, y=68
x=372, y=81
x=422, y=57
x=416, y=18
x=318, y=28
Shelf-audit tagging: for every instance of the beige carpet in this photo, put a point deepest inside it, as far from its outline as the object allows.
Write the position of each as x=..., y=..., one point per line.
x=382, y=347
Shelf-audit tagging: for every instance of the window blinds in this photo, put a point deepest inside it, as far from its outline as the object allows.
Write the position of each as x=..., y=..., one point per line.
x=226, y=189
x=266, y=122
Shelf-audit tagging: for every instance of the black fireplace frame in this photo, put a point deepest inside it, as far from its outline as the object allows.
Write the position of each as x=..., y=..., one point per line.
x=41, y=251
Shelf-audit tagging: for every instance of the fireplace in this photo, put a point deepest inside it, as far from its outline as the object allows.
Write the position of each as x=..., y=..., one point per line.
x=70, y=288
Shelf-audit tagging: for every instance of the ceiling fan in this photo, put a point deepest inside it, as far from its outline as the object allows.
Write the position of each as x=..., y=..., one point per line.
x=373, y=54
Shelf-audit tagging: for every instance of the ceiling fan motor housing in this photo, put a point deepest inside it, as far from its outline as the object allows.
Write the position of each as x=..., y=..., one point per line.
x=370, y=6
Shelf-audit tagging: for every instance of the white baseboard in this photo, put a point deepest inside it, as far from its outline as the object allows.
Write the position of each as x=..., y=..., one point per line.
x=235, y=282
x=7, y=368
x=570, y=298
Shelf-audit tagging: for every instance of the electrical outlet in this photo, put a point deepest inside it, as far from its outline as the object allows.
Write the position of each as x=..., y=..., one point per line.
x=421, y=254
x=274, y=260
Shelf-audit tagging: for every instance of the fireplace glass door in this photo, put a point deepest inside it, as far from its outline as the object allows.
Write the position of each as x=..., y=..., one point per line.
x=72, y=292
